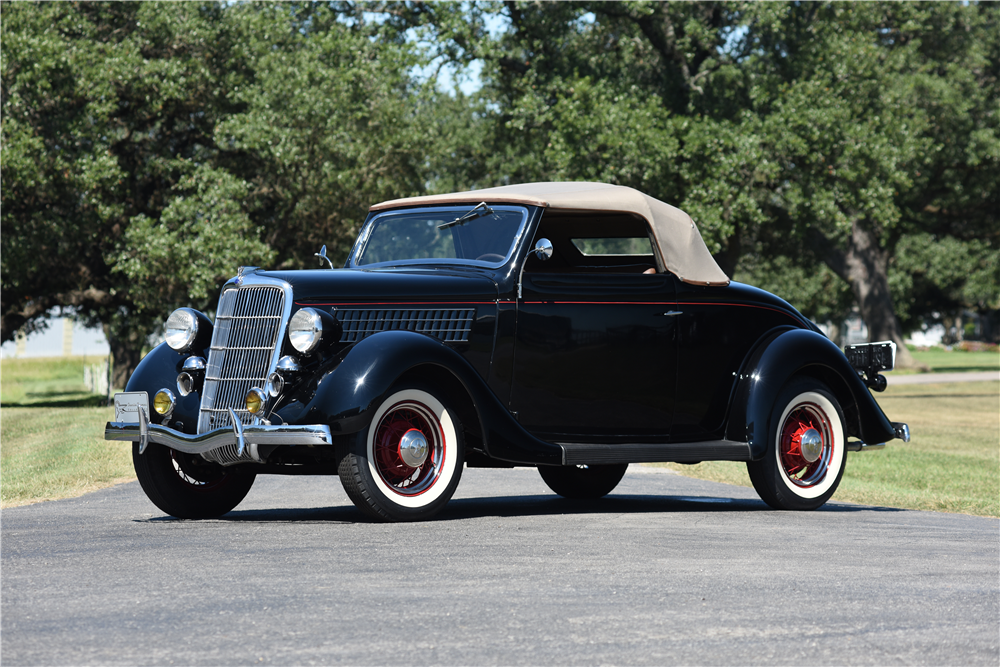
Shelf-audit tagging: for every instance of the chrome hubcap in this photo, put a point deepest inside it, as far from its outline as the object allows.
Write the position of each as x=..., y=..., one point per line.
x=811, y=445
x=413, y=448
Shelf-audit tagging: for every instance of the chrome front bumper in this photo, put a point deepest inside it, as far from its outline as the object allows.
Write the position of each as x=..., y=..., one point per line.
x=245, y=439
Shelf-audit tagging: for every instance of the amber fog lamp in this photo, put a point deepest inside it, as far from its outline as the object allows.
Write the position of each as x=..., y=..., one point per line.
x=256, y=399
x=163, y=402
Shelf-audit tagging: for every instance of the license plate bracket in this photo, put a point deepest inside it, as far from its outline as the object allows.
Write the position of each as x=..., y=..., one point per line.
x=128, y=404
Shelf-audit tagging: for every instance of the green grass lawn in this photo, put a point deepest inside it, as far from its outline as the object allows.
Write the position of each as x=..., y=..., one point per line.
x=956, y=361
x=951, y=464
x=52, y=433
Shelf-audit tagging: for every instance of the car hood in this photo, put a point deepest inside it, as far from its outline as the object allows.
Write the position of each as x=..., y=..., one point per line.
x=334, y=286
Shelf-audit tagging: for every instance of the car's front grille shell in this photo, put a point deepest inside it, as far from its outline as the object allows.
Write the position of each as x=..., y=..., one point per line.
x=249, y=326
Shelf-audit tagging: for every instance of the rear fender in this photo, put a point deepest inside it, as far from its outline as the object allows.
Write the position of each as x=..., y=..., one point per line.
x=787, y=353
x=347, y=396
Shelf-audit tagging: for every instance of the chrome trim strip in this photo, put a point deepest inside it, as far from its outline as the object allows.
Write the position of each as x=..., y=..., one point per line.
x=311, y=435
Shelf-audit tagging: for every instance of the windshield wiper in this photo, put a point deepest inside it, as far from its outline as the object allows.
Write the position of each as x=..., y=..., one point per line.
x=471, y=215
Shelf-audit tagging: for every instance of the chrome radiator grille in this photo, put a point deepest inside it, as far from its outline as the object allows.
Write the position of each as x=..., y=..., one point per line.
x=446, y=325
x=248, y=327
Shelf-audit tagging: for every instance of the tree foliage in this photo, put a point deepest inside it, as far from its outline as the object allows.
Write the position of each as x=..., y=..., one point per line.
x=796, y=134
x=836, y=153
x=150, y=149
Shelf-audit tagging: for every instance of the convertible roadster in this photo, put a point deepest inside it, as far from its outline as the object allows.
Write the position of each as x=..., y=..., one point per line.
x=572, y=327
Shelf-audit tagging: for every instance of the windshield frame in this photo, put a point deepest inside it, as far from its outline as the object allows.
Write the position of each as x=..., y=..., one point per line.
x=457, y=210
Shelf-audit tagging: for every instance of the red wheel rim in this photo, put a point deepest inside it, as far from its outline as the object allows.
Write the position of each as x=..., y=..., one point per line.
x=397, y=475
x=797, y=468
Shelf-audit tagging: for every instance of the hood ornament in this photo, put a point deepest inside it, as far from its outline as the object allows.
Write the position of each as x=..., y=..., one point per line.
x=243, y=271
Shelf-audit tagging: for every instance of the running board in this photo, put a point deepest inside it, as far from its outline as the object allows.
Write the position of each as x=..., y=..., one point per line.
x=678, y=452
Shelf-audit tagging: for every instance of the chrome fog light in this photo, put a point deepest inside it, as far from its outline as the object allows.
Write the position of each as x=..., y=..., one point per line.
x=164, y=402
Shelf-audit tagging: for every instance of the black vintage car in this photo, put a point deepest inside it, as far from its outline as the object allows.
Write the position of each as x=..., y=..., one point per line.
x=573, y=327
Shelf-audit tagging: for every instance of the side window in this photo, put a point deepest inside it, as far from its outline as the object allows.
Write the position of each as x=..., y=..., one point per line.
x=595, y=243
x=614, y=247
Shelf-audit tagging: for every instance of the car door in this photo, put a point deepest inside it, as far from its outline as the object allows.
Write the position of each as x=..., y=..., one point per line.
x=595, y=357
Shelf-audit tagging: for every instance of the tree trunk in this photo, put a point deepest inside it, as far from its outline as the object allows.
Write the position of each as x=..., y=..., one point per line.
x=126, y=353
x=864, y=265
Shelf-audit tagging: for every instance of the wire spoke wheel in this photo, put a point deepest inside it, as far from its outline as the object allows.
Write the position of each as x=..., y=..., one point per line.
x=405, y=418
x=186, y=486
x=806, y=445
x=807, y=448
x=407, y=464
x=202, y=478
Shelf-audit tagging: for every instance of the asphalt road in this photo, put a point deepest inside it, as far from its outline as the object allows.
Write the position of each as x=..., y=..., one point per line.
x=666, y=570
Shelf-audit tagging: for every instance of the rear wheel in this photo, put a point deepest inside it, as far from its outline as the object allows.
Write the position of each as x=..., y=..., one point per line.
x=407, y=464
x=806, y=451
x=185, y=485
x=581, y=482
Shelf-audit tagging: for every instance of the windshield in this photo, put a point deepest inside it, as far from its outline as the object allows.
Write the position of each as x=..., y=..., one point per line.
x=416, y=236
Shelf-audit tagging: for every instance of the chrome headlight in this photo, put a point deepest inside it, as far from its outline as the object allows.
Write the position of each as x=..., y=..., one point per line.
x=181, y=329
x=305, y=330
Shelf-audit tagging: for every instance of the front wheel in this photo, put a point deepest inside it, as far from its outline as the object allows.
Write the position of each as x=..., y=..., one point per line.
x=583, y=482
x=806, y=451
x=407, y=464
x=187, y=486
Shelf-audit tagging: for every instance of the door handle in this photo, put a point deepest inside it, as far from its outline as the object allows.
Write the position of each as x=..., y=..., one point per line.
x=670, y=313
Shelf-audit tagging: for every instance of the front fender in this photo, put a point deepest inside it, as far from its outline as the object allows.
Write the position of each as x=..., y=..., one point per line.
x=347, y=396
x=779, y=357
x=159, y=370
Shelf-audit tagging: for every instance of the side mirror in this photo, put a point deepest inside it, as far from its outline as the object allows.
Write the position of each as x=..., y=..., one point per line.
x=322, y=255
x=543, y=248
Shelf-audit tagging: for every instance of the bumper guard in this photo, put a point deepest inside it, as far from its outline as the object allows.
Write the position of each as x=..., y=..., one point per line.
x=245, y=438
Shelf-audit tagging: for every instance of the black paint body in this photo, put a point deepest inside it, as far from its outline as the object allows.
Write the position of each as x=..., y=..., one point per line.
x=592, y=363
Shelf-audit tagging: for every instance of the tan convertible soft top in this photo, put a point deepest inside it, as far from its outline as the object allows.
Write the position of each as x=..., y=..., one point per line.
x=678, y=242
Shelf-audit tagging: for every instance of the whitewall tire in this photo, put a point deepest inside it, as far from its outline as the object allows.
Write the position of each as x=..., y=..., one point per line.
x=407, y=464
x=806, y=451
